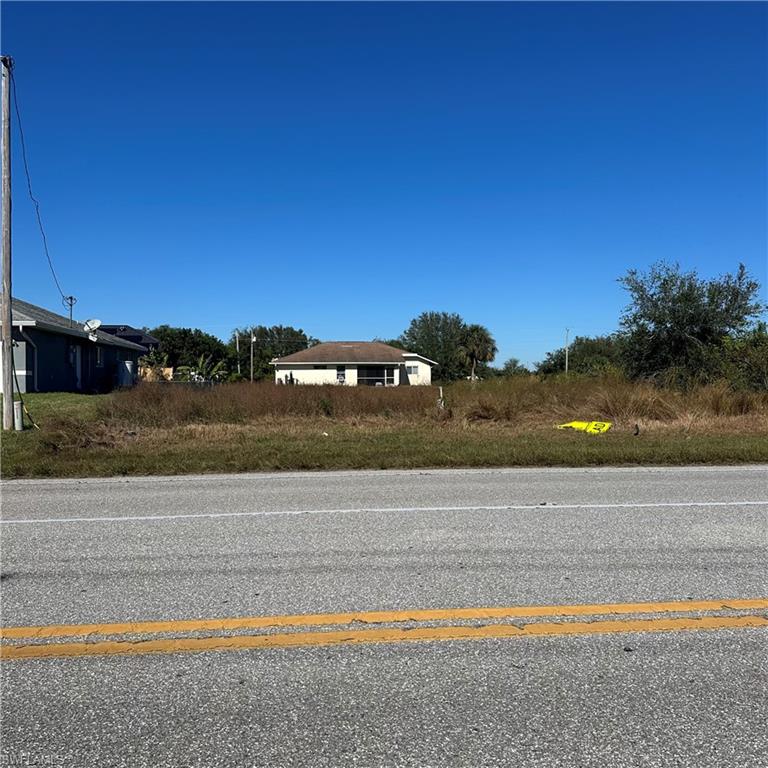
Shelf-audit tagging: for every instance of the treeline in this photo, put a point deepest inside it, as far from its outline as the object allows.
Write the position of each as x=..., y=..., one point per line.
x=459, y=349
x=677, y=330
x=194, y=354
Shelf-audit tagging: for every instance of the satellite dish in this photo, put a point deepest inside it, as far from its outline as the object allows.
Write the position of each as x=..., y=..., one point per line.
x=91, y=325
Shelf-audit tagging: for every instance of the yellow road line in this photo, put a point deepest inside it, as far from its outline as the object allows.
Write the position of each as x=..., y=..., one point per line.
x=389, y=635
x=376, y=617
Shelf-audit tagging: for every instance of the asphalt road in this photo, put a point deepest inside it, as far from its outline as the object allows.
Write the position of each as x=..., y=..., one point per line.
x=224, y=547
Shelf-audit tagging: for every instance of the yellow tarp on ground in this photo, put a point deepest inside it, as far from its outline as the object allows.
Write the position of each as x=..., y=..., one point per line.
x=590, y=427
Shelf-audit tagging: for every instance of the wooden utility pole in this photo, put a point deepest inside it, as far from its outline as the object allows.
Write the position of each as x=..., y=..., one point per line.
x=567, y=331
x=7, y=64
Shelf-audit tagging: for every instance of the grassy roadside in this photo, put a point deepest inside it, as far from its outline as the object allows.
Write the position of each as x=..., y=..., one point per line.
x=55, y=404
x=78, y=440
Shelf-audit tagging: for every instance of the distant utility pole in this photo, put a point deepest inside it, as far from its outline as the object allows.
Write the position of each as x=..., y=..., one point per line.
x=7, y=64
x=253, y=338
x=237, y=349
x=567, y=331
x=69, y=301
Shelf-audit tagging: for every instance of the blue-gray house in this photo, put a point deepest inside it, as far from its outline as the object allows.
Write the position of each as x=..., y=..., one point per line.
x=50, y=354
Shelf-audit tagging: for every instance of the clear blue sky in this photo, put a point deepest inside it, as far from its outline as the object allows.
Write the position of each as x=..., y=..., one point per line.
x=344, y=167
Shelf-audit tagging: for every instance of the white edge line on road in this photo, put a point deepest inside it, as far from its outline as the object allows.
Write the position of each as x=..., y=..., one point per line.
x=20, y=482
x=361, y=510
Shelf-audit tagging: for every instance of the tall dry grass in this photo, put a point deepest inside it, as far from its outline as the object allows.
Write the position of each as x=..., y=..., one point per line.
x=610, y=398
x=164, y=405
x=521, y=400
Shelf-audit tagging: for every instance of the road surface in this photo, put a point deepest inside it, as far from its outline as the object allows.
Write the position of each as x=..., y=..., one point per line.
x=553, y=617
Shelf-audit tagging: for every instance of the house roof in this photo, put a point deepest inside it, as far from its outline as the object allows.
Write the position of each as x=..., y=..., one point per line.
x=364, y=352
x=26, y=314
x=129, y=332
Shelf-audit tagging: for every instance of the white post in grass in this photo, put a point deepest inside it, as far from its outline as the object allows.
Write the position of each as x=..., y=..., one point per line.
x=253, y=338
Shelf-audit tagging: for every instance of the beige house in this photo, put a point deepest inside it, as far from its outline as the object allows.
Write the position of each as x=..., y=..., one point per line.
x=354, y=363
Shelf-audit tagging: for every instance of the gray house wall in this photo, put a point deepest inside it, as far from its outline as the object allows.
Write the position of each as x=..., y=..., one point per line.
x=47, y=362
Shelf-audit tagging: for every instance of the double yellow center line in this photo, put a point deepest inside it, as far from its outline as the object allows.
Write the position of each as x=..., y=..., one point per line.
x=132, y=638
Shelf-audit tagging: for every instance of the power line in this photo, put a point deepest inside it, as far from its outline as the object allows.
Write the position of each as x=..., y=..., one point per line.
x=34, y=200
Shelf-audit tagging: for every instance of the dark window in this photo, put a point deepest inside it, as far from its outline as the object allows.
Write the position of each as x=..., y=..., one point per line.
x=99, y=357
x=375, y=376
x=341, y=374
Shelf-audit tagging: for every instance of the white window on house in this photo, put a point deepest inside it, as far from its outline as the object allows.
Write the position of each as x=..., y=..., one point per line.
x=99, y=357
x=341, y=374
x=412, y=370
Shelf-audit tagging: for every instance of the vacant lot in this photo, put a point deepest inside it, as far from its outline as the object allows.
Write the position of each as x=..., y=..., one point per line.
x=169, y=429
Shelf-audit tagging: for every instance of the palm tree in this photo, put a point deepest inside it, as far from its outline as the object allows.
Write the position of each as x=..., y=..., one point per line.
x=477, y=346
x=205, y=370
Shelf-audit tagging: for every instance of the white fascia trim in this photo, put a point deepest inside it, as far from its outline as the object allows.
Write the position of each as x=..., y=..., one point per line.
x=420, y=357
x=118, y=342
x=57, y=328
x=324, y=362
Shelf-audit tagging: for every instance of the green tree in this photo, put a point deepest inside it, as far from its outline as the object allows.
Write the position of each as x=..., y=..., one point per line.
x=269, y=342
x=477, y=346
x=397, y=343
x=587, y=355
x=745, y=359
x=438, y=336
x=513, y=367
x=677, y=323
x=185, y=346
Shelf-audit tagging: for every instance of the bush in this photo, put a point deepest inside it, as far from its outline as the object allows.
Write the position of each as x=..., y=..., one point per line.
x=746, y=360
